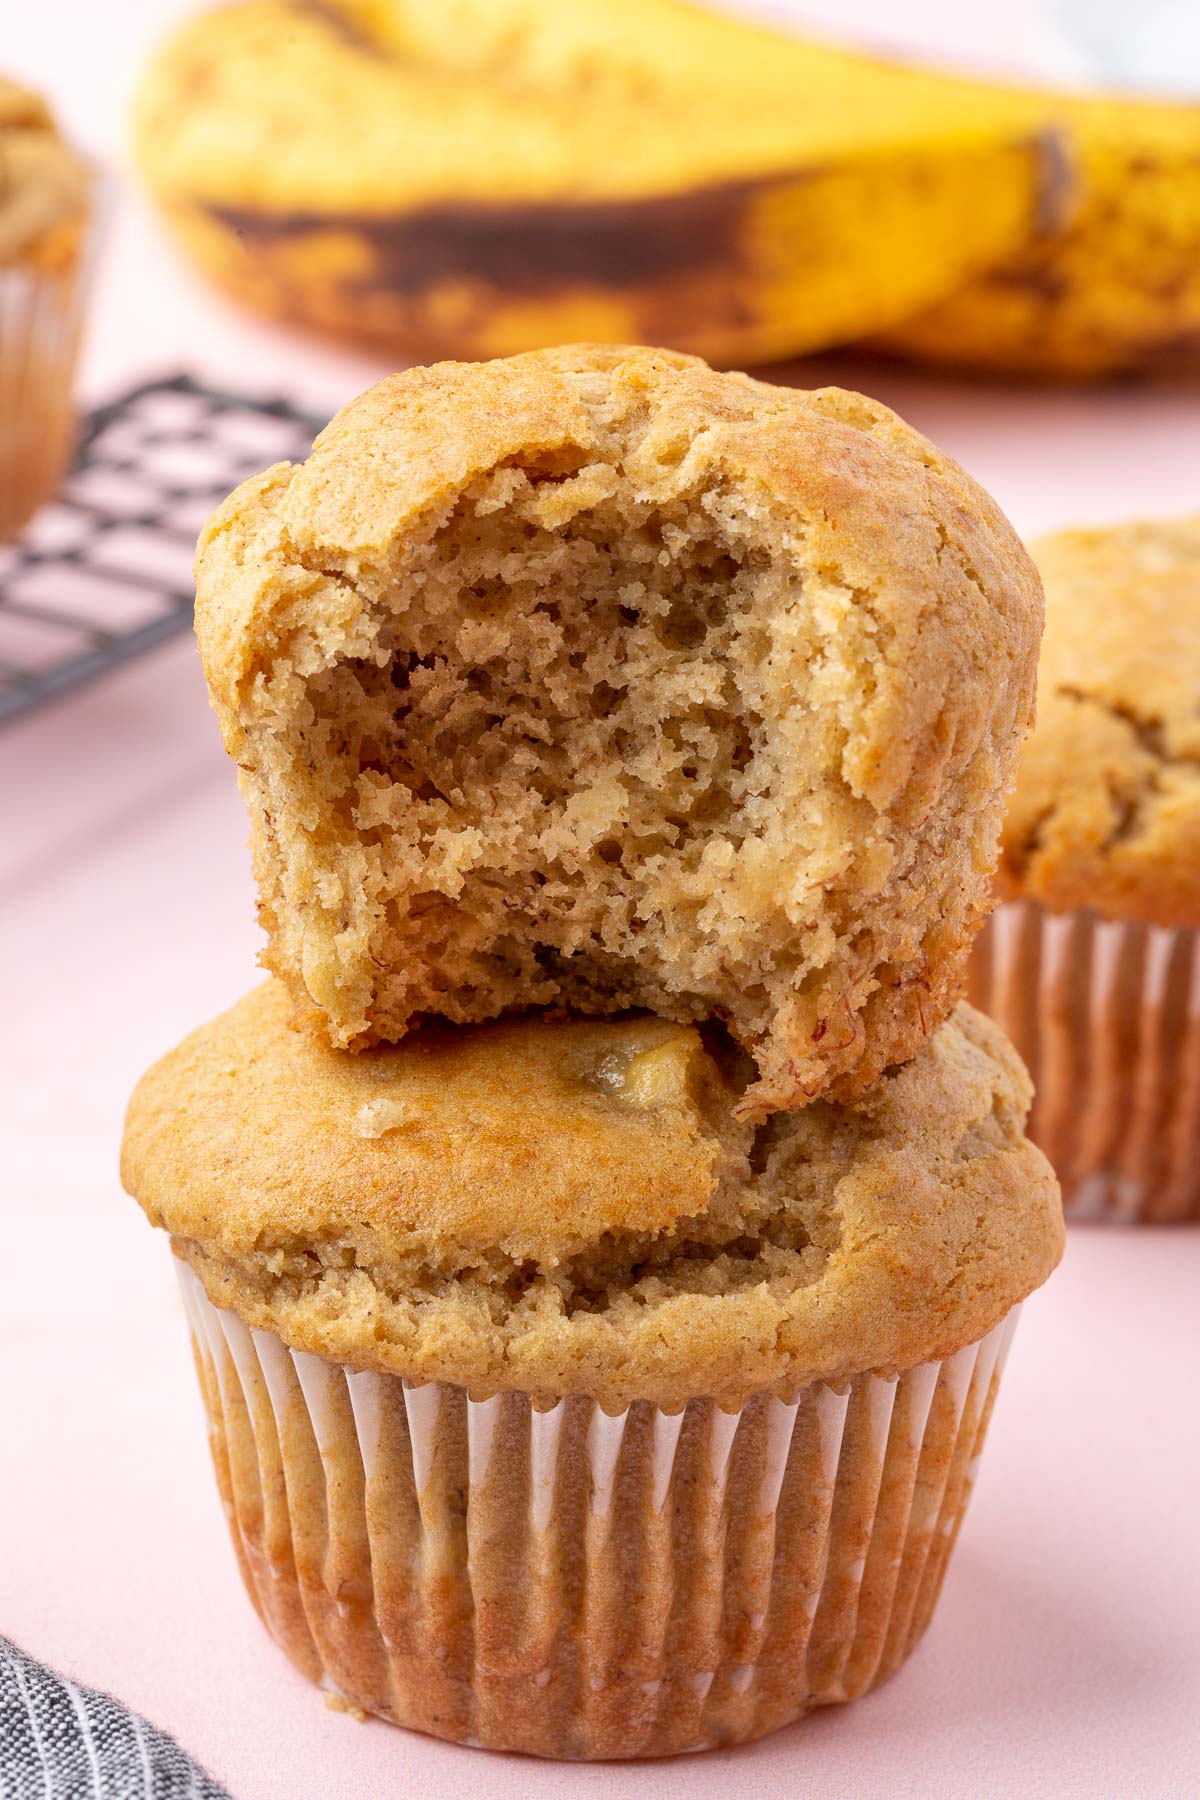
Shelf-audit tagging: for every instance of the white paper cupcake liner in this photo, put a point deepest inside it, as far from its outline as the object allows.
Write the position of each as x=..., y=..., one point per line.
x=1106, y=1016
x=574, y=1584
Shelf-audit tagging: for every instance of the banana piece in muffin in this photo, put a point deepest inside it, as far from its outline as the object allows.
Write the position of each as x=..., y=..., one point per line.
x=594, y=678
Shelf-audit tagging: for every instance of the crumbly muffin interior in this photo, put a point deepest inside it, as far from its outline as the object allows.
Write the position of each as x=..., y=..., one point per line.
x=595, y=678
x=563, y=736
x=592, y=749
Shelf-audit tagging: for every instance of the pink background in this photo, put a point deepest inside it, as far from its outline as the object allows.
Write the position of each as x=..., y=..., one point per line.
x=1065, y=1658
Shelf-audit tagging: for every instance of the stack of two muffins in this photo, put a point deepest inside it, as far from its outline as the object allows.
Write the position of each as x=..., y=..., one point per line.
x=602, y=1237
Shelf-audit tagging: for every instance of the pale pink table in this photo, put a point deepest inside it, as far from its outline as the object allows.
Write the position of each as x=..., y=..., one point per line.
x=1065, y=1660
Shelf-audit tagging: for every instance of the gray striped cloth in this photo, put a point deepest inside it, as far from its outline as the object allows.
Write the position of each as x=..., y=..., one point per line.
x=59, y=1741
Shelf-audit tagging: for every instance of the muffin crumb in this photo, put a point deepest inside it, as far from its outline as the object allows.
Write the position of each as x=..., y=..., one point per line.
x=375, y=1118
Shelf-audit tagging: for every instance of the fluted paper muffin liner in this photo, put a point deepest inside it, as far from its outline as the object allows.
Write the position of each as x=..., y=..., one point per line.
x=570, y=1583
x=1106, y=1015
x=41, y=318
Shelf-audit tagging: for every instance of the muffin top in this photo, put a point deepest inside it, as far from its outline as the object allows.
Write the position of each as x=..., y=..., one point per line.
x=44, y=185
x=596, y=677
x=1106, y=812
x=573, y=1206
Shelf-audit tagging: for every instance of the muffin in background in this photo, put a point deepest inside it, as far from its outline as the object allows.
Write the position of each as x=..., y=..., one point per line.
x=45, y=211
x=1091, y=963
x=557, y=1408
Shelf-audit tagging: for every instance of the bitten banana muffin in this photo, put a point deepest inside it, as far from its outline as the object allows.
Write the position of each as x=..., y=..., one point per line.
x=1092, y=964
x=557, y=1408
x=594, y=677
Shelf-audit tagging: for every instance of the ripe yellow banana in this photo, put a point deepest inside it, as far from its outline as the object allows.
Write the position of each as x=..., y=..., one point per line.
x=474, y=177
x=1116, y=290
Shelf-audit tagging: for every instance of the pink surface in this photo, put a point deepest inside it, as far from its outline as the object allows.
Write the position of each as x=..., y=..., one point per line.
x=1063, y=1660
x=1065, y=1655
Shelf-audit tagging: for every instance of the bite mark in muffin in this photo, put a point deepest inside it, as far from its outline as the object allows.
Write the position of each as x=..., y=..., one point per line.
x=594, y=678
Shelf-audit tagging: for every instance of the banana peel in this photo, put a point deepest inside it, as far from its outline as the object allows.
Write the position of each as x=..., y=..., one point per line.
x=478, y=177
x=1116, y=289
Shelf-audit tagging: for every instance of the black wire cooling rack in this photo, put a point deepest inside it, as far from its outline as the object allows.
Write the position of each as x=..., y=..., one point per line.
x=105, y=570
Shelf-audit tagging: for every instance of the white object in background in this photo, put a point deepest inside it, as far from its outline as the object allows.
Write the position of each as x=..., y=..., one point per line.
x=1022, y=40
x=1153, y=46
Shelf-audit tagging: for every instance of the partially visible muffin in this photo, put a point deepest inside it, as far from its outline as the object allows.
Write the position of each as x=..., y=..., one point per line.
x=593, y=677
x=45, y=203
x=1092, y=966
x=44, y=186
x=554, y=1406
x=1106, y=812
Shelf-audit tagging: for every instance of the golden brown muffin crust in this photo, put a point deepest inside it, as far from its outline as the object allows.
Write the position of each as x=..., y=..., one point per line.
x=44, y=185
x=593, y=676
x=572, y=1206
x=1106, y=813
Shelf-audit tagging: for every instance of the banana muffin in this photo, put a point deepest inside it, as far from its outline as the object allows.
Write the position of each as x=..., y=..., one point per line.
x=1091, y=963
x=593, y=677
x=45, y=201
x=557, y=1407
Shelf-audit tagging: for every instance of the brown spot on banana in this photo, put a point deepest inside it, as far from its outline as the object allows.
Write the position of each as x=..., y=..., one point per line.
x=526, y=248
x=1115, y=291
x=746, y=270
